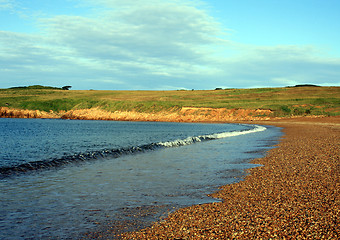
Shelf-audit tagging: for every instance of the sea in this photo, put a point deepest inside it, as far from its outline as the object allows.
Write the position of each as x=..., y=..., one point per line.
x=64, y=179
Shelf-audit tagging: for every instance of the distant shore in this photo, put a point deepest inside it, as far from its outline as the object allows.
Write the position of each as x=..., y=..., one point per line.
x=295, y=195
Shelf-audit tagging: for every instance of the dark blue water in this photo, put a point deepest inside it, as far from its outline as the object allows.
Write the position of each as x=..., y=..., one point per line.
x=101, y=168
x=31, y=140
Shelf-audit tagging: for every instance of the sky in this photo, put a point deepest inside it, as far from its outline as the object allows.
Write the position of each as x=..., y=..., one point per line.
x=169, y=44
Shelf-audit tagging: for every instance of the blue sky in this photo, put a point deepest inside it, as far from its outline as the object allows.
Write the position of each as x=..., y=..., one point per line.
x=169, y=44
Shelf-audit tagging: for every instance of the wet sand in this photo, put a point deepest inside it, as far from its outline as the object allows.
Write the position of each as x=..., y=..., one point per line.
x=294, y=195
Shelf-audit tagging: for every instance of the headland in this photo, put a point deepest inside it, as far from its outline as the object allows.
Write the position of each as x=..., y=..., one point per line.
x=174, y=106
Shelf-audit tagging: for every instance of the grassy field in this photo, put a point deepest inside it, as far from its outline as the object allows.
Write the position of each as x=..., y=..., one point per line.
x=286, y=101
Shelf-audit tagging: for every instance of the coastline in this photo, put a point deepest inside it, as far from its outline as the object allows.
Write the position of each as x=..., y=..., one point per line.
x=294, y=195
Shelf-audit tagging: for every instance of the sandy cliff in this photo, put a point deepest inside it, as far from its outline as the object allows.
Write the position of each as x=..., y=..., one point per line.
x=186, y=114
x=6, y=112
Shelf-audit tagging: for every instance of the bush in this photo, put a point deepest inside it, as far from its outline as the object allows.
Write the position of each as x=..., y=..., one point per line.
x=285, y=109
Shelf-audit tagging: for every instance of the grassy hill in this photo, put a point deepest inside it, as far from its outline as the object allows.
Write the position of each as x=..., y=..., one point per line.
x=287, y=101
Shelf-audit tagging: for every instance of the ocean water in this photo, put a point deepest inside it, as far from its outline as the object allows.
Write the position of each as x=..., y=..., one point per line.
x=62, y=178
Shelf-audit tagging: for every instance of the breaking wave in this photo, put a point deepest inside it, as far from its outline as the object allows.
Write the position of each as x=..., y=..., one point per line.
x=191, y=140
x=115, y=153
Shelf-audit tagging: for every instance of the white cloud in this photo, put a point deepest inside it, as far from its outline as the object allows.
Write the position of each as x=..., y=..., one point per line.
x=279, y=66
x=141, y=39
x=6, y=4
x=161, y=34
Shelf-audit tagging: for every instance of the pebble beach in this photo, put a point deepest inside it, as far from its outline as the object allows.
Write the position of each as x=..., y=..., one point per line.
x=294, y=195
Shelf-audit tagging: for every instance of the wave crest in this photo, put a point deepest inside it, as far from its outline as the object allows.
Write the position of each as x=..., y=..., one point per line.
x=115, y=153
x=191, y=140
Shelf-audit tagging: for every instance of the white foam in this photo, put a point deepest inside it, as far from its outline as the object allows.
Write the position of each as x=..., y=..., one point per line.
x=191, y=140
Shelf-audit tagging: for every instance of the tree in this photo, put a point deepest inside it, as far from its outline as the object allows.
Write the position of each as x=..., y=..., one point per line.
x=66, y=87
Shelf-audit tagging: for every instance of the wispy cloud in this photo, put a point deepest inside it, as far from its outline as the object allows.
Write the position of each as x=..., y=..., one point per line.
x=6, y=4
x=151, y=44
x=281, y=66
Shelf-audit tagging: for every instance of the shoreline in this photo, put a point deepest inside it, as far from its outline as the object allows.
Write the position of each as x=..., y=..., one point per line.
x=294, y=195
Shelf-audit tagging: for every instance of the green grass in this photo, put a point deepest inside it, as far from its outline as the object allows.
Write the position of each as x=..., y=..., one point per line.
x=282, y=101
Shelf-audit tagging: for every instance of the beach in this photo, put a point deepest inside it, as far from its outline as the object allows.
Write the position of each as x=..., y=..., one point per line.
x=294, y=195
